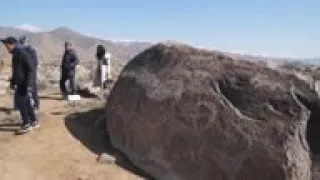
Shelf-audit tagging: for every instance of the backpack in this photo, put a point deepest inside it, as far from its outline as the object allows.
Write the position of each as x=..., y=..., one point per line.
x=32, y=54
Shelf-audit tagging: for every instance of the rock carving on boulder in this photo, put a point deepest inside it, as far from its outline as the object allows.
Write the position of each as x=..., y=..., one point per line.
x=183, y=113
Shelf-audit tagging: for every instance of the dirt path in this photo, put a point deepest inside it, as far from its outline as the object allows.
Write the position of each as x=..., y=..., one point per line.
x=66, y=146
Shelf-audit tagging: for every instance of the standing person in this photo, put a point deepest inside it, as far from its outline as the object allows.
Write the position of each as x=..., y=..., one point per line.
x=68, y=69
x=22, y=80
x=34, y=59
x=103, y=67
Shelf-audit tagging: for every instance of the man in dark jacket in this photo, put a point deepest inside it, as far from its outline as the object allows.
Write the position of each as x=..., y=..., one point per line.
x=22, y=82
x=68, y=69
x=34, y=58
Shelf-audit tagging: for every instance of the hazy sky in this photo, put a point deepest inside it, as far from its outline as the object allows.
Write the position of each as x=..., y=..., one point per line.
x=285, y=28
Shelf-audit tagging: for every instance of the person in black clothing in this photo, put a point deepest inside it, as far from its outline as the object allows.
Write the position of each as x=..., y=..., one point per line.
x=22, y=82
x=34, y=59
x=68, y=69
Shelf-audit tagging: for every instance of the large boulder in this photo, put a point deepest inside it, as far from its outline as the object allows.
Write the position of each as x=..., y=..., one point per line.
x=180, y=113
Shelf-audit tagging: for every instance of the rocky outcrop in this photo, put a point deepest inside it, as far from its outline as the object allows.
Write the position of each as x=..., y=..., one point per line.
x=5, y=65
x=4, y=84
x=181, y=113
x=87, y=90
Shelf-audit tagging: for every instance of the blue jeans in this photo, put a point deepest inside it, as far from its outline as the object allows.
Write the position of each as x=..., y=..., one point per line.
x=23, y=103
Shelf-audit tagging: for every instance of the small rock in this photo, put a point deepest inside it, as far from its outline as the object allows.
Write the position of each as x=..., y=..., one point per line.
x=82, y=178
x=105, y=158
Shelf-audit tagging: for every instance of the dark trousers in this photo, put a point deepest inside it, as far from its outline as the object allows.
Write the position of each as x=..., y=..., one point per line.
x=35, y=93
x=36, y=98
x=24, y=104
x=67, y=76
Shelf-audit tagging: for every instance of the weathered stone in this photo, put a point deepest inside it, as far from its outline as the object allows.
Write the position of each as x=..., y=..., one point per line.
x=4, y=77
x=86, y=90
x=182, y=113
x=106, y=158
x=3, y=92
x=4, y=84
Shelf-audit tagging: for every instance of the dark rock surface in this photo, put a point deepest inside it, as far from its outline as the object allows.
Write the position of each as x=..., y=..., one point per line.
x=182, y=113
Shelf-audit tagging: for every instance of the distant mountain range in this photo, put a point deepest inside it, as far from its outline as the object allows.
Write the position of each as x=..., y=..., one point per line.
x=50, y=44
x=309, y=62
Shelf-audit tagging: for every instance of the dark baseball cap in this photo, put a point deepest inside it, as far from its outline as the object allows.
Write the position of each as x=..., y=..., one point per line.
x=9, y=40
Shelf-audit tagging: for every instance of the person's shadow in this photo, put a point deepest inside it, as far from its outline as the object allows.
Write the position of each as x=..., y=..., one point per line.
x=86, y=127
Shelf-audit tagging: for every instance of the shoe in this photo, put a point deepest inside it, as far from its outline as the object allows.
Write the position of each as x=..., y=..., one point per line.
x=35, y=125
x=24, y=129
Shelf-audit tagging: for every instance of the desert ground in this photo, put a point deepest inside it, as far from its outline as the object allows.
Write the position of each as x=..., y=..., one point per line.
x=66, y=146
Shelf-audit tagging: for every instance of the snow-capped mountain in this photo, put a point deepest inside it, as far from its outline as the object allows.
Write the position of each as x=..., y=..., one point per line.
x=30, y=28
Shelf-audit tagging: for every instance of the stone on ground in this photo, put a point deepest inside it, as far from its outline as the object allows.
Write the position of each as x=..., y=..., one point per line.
x=105, y=158
x=182, y=113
